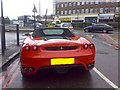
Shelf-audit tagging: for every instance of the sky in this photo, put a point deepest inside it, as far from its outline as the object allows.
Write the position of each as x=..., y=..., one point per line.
x=15, y=8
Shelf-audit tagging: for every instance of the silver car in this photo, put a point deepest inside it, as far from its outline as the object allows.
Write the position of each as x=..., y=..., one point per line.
x=66, y=25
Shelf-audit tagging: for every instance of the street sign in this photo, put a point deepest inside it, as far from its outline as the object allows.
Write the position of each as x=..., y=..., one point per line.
x=34, y=9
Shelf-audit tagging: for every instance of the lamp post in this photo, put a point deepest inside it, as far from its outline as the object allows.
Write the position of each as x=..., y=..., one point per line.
x=46, y=17
x=3, y=43
x=34, y=11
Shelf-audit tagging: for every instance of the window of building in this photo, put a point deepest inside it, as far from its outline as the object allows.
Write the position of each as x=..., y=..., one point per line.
x=61, y=5
x=65, y=11
x=106, y=10
x=117, y=9
x=57, y=5
x=78, y=3
x=70, y=4
x=101, y=10
x=96, y=2
x=78, y=11
x=62, y=13
x=65, y=4
x=86, y=11
x=82, y=2
x=87, y=2
x=73, y=11
x=69, y=11
x=57, y=12
x=74, y=4
x=82, y=10
x=92, y=2
x=101, y=2
x=96, y=10
x=91, y=10
x=112, y=9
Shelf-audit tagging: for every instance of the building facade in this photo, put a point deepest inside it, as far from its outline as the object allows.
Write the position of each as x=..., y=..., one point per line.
x=86, y=10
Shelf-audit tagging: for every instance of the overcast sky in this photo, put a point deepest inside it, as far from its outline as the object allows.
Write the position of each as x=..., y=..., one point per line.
x=15, y=8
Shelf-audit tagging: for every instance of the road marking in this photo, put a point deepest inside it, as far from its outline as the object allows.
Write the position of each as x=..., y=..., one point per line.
x=7, y=74
x=116, y=46
x=11, y=79
x=106, y=79
x=112, y=39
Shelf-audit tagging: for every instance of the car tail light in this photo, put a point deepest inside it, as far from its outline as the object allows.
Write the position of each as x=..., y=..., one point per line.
x=35, y=48
x=27, y=48
x=85, y=46
x=91, y=46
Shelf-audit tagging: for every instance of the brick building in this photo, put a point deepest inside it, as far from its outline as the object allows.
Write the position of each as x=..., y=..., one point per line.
x=85, y=10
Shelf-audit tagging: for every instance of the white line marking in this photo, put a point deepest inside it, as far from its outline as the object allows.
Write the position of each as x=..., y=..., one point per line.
x=106, y=79
x=112, y=39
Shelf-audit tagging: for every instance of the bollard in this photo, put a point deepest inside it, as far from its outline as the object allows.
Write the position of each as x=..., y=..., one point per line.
x=17, y=28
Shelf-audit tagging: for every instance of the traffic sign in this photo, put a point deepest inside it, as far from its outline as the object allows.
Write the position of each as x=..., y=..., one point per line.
x=34, y=9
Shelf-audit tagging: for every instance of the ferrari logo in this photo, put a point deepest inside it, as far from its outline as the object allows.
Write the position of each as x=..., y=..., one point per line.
x=61, y=48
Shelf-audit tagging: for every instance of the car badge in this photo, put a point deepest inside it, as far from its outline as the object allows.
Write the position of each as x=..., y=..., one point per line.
x=61, y=48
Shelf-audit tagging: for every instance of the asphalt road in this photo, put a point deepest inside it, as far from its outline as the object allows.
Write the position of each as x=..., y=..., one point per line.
x=11, y=38
x=104, y=75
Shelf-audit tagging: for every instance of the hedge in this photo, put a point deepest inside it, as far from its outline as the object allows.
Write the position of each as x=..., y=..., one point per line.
x=78, y=25
x=114, y=24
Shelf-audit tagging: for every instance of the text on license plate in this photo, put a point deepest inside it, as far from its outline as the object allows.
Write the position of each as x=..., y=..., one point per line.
x=59, y=61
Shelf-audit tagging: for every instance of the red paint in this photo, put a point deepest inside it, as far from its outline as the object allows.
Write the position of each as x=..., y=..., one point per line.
x=108, y=41
x=11, y=79
x=3, y=78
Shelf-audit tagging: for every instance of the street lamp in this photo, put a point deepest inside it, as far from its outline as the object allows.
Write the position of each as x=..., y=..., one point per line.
x=3, y=43
x=34, y=11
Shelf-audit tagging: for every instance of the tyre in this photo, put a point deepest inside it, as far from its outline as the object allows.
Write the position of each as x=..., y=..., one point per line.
x=86, y=30
x=26, y=75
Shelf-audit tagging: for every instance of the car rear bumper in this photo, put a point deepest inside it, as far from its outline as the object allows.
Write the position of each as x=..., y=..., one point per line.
x=38, y=63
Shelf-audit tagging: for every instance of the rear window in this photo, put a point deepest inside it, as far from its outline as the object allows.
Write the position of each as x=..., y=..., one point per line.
x=53, y=32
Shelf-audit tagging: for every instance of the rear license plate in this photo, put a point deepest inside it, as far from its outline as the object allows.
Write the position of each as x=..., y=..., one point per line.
x=62, y=61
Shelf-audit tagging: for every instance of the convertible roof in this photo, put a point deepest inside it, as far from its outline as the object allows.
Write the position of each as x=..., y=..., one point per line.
x=39, y=32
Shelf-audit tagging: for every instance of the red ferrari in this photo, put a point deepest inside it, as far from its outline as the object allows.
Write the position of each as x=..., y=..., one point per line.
x=55, y=47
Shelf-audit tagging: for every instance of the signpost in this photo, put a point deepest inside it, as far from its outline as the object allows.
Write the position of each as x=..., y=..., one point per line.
x=3, y=43
x=34, y=11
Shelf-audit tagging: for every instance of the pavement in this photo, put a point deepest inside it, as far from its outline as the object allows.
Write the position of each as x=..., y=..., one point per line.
x=10, y=53
x=14, y=50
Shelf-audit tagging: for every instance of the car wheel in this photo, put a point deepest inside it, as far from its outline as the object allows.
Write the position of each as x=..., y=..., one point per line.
x=105, y=31
x=86, y=30
x=85, y=71
x=26, y=75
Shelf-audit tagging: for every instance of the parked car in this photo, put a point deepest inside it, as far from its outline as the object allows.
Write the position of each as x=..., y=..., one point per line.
x=99, y=28
x=66, y=25
x=55, y=48
x=39, y=25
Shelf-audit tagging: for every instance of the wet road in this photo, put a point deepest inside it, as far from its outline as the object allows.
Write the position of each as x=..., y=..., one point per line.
x=104, y=75
x=11, y=38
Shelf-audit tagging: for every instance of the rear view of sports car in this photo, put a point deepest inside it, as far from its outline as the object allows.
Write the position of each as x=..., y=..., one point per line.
x=55, y=47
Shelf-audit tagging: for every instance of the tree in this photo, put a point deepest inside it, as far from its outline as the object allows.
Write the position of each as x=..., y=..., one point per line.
x=7, y=20
x=119, y=4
